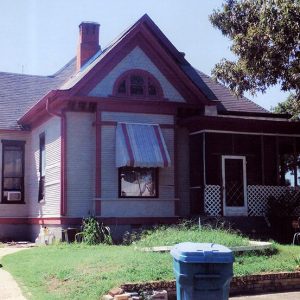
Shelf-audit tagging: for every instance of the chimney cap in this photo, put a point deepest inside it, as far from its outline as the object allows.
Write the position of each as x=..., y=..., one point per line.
x=88, y=23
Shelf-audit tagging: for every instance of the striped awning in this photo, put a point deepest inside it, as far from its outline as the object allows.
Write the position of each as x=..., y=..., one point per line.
x=141, y=145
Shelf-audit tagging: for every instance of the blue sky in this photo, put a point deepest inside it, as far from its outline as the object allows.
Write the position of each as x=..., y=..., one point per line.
x=40, y=36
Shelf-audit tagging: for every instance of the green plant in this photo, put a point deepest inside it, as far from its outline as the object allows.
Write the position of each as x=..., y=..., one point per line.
x=283, y=206
x=297, y=260
x=94, y=233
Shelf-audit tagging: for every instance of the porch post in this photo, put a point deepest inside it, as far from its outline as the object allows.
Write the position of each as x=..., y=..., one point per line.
x=204, y=159
x=295, y=161
x=262, y=147
x=277, y=161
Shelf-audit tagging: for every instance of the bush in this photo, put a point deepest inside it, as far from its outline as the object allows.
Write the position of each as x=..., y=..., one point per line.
x=280, y=212
x=283, y=206
x=94, y=233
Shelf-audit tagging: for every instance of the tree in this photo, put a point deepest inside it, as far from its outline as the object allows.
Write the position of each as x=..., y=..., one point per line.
x=289, y=106
x=265, y=37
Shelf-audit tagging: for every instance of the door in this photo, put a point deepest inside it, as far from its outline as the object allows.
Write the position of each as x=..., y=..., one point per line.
x=234, y=185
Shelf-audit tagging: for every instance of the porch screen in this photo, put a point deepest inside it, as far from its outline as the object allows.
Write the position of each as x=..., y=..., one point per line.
x=141, y=145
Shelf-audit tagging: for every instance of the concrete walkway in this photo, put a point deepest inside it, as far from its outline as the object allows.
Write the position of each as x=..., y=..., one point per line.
x=279, y=296
x=9, y=289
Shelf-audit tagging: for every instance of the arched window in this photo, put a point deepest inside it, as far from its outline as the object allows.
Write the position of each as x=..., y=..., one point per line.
x=138, y=83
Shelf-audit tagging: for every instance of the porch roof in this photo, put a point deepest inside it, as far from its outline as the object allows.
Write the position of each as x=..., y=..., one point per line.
x=241, y=125
x=141, y=145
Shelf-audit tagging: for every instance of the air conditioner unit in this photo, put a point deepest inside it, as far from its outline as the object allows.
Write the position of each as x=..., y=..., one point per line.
x=14, y=196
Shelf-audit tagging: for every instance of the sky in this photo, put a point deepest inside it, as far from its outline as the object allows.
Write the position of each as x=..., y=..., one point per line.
x=40, y=36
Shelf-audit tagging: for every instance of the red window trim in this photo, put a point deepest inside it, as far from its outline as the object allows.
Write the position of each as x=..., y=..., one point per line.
x=147, y=77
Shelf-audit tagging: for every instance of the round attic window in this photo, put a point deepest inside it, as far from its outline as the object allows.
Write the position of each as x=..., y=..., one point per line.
x=138, y=83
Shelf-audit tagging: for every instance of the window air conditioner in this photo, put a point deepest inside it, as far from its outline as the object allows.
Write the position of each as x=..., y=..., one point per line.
x=14, y=196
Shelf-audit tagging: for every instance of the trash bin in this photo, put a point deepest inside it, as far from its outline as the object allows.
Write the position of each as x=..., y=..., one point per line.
x=202, y=270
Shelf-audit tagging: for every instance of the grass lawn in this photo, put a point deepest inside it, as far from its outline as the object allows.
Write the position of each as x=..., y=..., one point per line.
x=86, y=272
x=171, y=235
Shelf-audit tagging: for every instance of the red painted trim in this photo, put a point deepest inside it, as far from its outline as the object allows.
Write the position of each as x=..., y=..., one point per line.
x=13, y=220
x=172, y=71
x=64, y=183
x=117, y=104
x=98, y=153
x=78, y=221
x=161, y=147
x=142, y=37
x=33, y=114
x=128, y=145
x=98, y=207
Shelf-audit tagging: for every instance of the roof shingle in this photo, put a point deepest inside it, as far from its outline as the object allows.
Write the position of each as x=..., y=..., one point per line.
x=19, y=92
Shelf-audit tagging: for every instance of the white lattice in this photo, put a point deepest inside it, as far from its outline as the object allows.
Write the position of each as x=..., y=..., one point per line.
x=258, y=195
x=212, y=200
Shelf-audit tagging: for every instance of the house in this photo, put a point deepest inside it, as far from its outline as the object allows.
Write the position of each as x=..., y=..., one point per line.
x=133, y=135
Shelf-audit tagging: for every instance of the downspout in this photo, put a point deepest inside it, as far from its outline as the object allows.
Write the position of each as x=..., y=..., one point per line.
x=63, y=149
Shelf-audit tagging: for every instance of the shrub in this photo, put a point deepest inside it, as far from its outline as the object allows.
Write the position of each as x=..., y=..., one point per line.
x=283, y=206
x=94, y=233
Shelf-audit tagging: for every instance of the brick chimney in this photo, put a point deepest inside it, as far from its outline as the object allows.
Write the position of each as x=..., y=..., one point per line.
x=88, y=43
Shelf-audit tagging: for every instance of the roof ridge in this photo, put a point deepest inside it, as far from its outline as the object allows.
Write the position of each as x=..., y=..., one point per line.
x=63, y=68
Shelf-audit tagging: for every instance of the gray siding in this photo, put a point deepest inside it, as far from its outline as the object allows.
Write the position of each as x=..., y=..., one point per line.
x=51, y=205
x=136, y=59
x=112, y=206
x=80, y=163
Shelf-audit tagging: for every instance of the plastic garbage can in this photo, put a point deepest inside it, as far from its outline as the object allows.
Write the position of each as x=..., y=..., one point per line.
x=202, y=270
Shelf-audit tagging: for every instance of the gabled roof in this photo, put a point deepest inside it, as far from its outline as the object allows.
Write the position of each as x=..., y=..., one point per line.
x=19, y=92
x=228, y=101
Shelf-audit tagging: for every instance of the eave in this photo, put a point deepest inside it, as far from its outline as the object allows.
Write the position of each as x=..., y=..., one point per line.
x=243, y=125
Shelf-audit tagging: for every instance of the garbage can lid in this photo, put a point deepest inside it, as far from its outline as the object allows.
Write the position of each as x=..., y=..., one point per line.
x=202, y=253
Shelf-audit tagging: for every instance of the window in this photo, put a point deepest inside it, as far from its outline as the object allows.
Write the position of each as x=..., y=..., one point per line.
x=138, y=182
x=12, y=171
x=42, y=168
x=138, y=83
x=289, y=162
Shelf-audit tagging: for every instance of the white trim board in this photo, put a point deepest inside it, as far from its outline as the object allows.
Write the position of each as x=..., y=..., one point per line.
x=247, y=133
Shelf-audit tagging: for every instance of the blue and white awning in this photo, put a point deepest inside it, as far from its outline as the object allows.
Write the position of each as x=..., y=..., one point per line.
x=141, y=145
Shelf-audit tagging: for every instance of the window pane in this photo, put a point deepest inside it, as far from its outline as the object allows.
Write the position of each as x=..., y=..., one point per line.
x=138, y=182
x=13, y=184
x=136, y=80
x=12, y=163
x=136, y=85
x=152, y=90
x=287, y=170
x=42, y=156
x=122, y=87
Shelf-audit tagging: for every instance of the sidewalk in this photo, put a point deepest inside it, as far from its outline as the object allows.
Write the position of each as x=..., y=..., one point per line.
x=9, y=289
x=278, y=296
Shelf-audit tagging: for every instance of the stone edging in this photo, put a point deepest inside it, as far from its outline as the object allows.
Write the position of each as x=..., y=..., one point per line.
x=240, y=285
